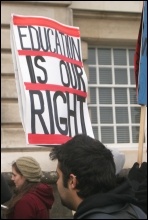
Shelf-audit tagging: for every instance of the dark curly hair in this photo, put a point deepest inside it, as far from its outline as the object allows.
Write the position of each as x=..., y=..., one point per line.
x=90, y=161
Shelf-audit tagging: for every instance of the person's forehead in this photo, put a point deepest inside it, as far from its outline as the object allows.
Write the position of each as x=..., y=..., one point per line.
x=13, y=170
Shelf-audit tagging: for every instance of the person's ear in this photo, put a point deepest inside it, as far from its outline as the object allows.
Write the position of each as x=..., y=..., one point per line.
x=73, y=181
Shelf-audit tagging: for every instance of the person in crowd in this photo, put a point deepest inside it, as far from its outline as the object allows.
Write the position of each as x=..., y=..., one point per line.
x=5, y=190
x=137, y=177
x=5, y=193
x=32, y=199
x=87, y=181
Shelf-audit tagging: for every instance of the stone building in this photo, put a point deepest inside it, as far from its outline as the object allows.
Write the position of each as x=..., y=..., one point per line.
x=109, y=31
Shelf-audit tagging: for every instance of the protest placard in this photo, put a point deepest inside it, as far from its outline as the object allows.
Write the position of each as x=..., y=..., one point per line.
x=50, y=79
x=142, y=78
x=140, y=64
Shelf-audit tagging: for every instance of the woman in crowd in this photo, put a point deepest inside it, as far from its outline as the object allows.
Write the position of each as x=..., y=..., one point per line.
x=32, y=199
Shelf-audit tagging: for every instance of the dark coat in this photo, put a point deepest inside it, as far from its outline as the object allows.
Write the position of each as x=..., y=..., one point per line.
x=115, y=204
x=5, y=190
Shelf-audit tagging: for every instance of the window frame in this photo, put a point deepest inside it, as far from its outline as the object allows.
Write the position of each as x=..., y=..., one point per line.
x=130, y=146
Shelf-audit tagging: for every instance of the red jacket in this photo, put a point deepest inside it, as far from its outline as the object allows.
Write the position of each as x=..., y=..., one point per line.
x=35, y=204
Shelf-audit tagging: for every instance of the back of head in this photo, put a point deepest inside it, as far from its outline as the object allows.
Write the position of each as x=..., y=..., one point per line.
x=29, y=168
x=90, y=161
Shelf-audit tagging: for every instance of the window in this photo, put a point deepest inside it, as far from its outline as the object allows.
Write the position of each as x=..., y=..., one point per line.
x=112, y=103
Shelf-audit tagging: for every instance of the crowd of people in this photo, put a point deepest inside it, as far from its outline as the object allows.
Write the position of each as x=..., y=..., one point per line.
x=88, y=182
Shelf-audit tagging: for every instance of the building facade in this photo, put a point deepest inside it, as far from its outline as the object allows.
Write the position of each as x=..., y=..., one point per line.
x=109, y=32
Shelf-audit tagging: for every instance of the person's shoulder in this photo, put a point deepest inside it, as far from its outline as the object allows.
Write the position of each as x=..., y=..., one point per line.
x=100, y=216
x=26, y=198
x=44, y=187
x=116, y=211
x=95, y=213
x=139, y=212
x=40, y=191
x=27, y=201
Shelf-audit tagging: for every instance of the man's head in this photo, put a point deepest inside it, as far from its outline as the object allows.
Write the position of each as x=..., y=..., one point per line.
x=85, y=167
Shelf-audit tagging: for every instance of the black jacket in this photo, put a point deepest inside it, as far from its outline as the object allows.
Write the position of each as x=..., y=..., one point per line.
x=115, y=204
x=5, y=190
x=137, y=178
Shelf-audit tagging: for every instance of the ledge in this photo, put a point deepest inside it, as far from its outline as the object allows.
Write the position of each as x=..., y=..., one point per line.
x=48, y=177
x=54, y=3
x=98, y=14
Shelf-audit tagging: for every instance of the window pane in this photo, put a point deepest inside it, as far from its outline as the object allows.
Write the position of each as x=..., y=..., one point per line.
x=131, y=57
x=92, y=92
x=105, y=96
x=133, y=98
x=112, y=95
x=107, y=135
x=120, y=76
x=104, y=56
x=119, y=57
x=95, y=131
x=121, y=115
x=132, y=77
x=120, y=96
x=135, y=114
x=123, y=134
x=93, y=114
x=106, y=115
x=92, y=75
x=91, y=56
x=105, y=75
x=135, y=134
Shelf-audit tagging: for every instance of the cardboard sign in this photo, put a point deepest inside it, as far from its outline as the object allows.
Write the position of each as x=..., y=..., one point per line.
x=142, y=80
x=50, y=79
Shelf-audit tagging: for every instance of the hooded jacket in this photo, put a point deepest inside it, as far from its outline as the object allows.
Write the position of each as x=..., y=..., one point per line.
x=115, y=204
x=35, y=204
